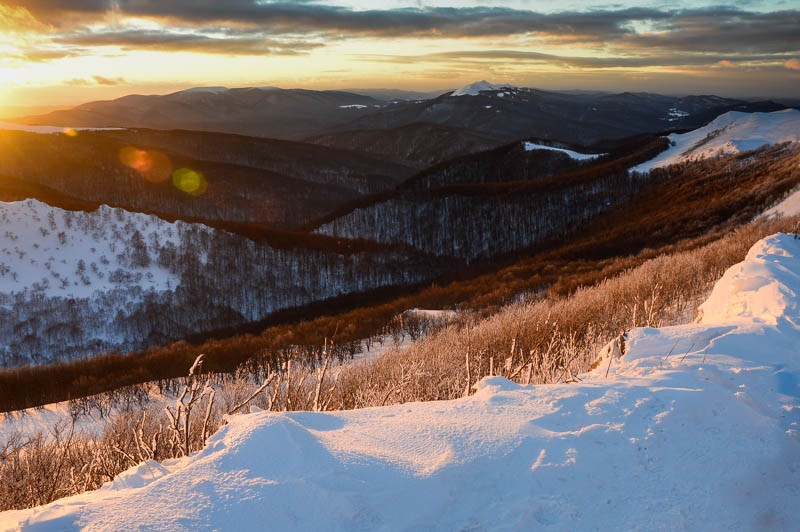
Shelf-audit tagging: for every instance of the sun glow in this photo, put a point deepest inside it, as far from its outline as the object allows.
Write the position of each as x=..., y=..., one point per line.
x=51, y=55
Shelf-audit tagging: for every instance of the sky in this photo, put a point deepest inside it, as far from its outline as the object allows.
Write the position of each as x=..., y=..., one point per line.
x=55, y=52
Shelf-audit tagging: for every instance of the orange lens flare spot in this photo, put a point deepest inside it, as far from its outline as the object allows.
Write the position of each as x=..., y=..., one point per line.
x=153, y=165
x=70, y=132
x=189, y=181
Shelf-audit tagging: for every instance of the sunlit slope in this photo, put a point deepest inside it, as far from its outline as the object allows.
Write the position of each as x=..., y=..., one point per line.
x=732, y=132
x=695, y=426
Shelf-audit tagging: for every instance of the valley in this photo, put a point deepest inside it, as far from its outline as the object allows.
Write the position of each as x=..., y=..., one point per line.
x=399, y=265
x=132, y=246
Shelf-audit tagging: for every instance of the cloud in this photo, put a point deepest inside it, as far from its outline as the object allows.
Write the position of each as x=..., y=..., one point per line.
x=100, y=80
x=632, y=36
x=304, y=17
x=14, y=19
x=723, y=30
x=95, y=81
x=177, y=39
x=716, y=28
x=589, y=62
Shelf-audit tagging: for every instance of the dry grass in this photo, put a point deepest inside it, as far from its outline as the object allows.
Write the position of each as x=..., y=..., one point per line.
x=551, y=339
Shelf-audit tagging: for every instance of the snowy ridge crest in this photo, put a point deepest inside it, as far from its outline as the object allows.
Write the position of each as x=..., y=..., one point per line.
x=732, y=132
x=474, y=89
x=764, y=288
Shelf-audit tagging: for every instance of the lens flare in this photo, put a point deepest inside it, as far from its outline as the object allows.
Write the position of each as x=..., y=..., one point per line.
x=189, y=181
x=153, y=165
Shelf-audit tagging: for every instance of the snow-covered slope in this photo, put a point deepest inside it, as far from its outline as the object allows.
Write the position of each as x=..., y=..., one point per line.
x=789, y=206
x=531, y=146
x=474, y=89
x=72, y=282
x=55, y=252
x=731, y=132
x=695, y=427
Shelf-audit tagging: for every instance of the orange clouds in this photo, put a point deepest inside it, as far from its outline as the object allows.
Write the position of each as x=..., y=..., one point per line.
x=18, y=20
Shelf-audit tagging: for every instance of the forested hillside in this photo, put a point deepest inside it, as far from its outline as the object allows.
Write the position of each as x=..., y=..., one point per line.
x=499, y=203
x=80, y=283
x=318, y=164
x=136, y=171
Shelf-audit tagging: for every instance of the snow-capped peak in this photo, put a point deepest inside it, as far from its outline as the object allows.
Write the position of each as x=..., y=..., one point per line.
x=473, y=89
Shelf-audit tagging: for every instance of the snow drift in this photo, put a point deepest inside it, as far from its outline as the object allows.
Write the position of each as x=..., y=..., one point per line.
x=694, y=427
x=731, y=132
x=765, y=288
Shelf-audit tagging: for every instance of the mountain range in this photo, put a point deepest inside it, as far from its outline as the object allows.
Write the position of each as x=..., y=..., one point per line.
x=412, y=132
x=423, y=190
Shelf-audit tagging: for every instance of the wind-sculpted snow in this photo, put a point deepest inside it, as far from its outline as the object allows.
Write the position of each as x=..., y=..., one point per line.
x=764, y=288
x=732, y=132
x=694, y=427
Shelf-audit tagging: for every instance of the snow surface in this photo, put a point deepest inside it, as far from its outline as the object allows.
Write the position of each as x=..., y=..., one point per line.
x=42, y=248
x=765, y=288
x=531, y=146
x=789, y=206
x=676, y=114
x=474, y=89
x=732, y=132
x=696, y=427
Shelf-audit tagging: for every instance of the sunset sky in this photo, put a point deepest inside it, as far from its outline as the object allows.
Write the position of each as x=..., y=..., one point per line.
x=66, y=52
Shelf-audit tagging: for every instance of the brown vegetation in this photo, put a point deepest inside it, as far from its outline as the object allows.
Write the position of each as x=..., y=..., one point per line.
x=696, y=206
x=545, y=340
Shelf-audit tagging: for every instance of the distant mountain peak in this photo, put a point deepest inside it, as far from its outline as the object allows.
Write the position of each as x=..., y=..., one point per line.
x=473, y=89
x=213, y=90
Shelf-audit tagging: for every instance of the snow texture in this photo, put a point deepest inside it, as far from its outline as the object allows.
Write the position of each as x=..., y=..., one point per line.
x=59, y=253
x=474, y=89
x=676, y=114
x=732, y=132
x=531, y=146
x=695, y=427
x=789, y=206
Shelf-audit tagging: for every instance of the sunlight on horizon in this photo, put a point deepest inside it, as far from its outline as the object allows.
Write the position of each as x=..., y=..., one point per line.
x=67, y=55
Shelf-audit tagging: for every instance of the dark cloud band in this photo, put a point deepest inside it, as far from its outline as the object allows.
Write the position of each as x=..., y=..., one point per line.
x=237, y=43
x=280, y=27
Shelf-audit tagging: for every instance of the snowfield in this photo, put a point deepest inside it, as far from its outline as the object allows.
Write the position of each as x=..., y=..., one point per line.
x=731, y=132
x=56, y=252
x=474, y=89
x=787, y=207
x=531, y=146
x=694, y=427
